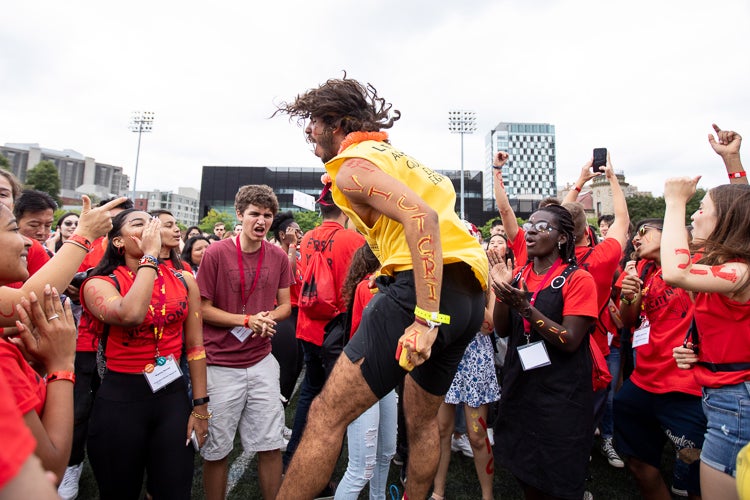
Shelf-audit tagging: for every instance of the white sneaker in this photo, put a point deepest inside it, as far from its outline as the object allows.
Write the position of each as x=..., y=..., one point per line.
x=609, y=452
x=68, y=489
x=462, y=444
x=587, y=495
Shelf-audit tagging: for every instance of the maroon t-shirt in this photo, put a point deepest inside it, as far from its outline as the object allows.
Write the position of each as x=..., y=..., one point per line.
x=219, y=282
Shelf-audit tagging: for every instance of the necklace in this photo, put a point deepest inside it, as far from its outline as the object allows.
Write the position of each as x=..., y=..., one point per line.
x=357, y=137
x=542, y=271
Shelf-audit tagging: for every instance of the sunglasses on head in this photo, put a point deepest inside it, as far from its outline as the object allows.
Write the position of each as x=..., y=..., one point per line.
x=642, y=230
x=539, y=227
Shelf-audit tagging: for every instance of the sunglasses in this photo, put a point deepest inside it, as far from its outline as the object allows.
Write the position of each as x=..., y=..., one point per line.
x=644, y=228
x=540, y=227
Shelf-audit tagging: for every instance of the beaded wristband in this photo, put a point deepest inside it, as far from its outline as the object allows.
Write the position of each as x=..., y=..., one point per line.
x=201, y=417
x=61, y=375
x=737, y=175
x=149, y=259
x=149, y=266
x=80, y=239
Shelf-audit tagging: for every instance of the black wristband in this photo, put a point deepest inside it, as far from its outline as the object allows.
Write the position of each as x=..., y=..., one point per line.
x=200, y=401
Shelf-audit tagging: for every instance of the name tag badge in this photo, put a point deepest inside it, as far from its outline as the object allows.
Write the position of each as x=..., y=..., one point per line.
x=160, y=376
x=640, y=336
x=241, y=333
x=533, y=355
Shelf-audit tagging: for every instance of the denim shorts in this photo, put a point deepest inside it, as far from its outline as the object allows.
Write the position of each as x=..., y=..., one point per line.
x=728, y=412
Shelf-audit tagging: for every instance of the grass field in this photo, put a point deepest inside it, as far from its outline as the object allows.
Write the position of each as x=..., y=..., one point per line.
x=606, y=483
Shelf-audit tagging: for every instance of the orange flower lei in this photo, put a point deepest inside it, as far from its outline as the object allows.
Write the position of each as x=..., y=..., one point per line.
x=357, y=137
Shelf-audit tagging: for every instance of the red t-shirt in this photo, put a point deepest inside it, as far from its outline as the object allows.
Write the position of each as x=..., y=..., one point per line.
x=219, y=282
x=518, y=245
x=98, y=247
x=601, y=262
x=296, y=288
x=18, y=442
x=28, y=387
x=130, y=349
x=35, y=259
x=577, y=297
x=669, y=311
x=338, y=245
x=724, y=335
x=362, y=296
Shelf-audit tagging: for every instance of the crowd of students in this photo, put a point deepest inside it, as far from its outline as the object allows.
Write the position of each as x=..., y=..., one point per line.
x=140, y=345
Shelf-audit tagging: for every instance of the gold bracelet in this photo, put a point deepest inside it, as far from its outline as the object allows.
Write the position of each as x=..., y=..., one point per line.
x=201, y=417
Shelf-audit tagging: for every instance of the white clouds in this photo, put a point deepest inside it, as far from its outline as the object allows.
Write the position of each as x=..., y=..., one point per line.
x=645, y=79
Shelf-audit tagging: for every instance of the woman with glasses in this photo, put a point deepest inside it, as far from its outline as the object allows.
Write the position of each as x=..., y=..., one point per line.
x=546, y=309
x=64, y=230
x=718, y=349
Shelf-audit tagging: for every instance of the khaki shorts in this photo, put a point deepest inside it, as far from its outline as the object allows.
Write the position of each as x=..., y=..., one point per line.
x=248, y=400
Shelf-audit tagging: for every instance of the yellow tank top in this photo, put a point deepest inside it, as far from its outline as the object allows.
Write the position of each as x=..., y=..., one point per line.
x=386, y=237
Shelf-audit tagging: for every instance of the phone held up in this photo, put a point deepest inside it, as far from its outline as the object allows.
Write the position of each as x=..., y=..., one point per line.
x=600, y=159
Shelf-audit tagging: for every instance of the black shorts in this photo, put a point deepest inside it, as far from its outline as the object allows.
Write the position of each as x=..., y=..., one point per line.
x=392, y=310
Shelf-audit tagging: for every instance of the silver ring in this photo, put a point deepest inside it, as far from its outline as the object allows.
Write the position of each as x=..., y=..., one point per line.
x=54, y=316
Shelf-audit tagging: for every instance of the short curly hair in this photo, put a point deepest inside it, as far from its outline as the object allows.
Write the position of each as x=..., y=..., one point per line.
x=259, y=195
x=344, y=103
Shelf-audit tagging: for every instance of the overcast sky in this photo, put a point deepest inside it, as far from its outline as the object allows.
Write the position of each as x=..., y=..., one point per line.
x=644, y=78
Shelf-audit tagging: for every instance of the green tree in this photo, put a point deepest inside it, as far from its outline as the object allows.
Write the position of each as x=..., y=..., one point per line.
x=44, y=177
x=4, y=163
x=207, y=223
x=307, y=219
x=645, y=207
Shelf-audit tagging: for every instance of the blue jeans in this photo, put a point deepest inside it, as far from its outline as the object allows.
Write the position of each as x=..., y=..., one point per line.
x=613, y=363
x=727, y=410
x=312, y=384
x=372, y=444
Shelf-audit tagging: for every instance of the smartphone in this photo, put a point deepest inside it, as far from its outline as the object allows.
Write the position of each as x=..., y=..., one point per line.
x=600, y=159
x=194, y=439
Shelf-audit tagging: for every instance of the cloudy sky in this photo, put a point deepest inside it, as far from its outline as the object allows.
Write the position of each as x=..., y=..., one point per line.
x=644, y=78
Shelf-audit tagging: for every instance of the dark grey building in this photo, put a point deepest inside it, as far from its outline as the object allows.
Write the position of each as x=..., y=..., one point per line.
x=219, y=184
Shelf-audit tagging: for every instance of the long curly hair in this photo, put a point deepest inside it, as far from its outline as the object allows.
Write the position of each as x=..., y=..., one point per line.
x=344, y=103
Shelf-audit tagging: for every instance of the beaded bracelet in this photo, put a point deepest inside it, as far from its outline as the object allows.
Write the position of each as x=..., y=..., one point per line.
x=737, y=175
x=149, y=266
x=149, y=259
x=61, y=375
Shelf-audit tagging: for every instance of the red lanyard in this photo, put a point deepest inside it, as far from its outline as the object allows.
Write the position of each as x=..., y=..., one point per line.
x=550, y=273
x=242, y=272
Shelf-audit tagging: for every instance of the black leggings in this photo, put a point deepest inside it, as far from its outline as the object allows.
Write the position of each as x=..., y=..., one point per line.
x=133, y=430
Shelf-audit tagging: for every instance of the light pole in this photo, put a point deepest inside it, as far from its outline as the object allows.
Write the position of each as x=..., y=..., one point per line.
x=462, y=122
x=140, y=121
